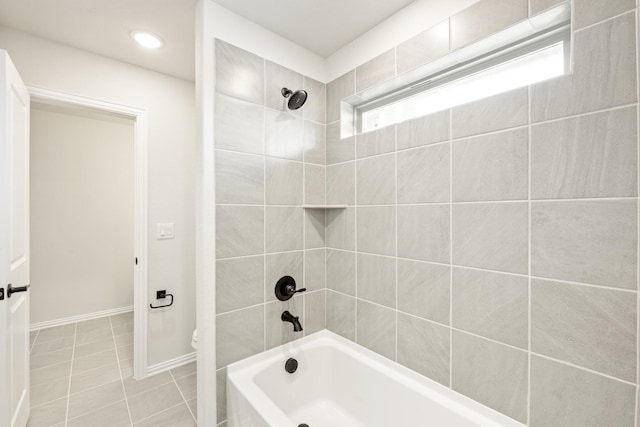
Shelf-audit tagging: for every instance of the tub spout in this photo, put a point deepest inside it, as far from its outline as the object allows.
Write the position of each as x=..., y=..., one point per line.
x=288, y=317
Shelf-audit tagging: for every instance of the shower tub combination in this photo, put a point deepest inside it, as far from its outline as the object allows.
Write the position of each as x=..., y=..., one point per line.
x=338, y=383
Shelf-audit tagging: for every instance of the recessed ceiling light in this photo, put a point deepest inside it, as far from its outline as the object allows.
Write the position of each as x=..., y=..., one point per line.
x=146, y=39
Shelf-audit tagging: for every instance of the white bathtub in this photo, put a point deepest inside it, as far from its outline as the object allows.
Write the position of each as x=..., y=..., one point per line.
x=342, y=384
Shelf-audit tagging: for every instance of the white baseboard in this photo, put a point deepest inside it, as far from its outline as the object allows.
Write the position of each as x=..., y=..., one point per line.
x=172, y=363
x=80, y=318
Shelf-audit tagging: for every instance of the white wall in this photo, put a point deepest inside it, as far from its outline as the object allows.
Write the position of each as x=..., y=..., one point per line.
x=81, y=213
x=170, y=103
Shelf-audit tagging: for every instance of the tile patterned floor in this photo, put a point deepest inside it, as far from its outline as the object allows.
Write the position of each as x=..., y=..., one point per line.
x=81, y=376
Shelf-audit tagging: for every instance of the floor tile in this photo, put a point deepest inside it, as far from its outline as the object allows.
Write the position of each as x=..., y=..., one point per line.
x=94, y=361
x=178, y=416
x=53, y=344
x=47, y=359
x=50, y=391
x=93, y=348
x=188, y=386
x=134, y=387
x=153, y=401
x=95, y=398
x=115, y=415
x=48, y=414
x=50, y=373
x=94, y=378
x=184, y=370
x=57, y=332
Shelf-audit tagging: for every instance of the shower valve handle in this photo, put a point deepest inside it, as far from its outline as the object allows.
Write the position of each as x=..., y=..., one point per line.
x=291, y=289
x=286, y=288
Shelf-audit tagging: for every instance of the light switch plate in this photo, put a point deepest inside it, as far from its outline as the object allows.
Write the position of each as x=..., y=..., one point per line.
x=165, y=231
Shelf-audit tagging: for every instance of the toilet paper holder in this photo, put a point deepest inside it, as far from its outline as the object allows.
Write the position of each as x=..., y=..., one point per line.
x=162, y=295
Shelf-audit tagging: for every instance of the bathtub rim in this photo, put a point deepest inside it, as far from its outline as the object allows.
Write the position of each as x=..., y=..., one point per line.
x=242, y=374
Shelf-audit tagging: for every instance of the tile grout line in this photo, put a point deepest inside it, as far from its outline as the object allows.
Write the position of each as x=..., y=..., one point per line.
x=637, y=28
x=529, y=262
x=184, y=399
x=66, y=416
x=124, y=390
x=450, y=141
x=395, y=135
x=507, y=273
x=34, y=341
x=264, y=207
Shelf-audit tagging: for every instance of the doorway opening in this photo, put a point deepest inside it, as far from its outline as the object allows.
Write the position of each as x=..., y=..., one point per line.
x=89, y=238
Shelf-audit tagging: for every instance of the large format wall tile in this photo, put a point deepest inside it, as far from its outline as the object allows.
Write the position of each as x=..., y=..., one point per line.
x=588, y=12
x=276, y=78
x=377, y=279
x=376, y=328
x=379, y=69
x=424, y=347
x=587, y=156
x=485, y=18
x=239, y=125
x=423, y=130
x=239, y=334
x=493, y=305
x=491, y=167
x=341, y=184
x=586, y=241
x=239, y=178
x=423, y=175
x=314, y=185
x=537, y=6
x=239, y=73
x=337, y=90
x=423, y=48
x=283, y=229
x=604, y=73
x=590, y=327
x=314, y=270
x=493, y=236
x=423, y=232
x=339, y=150
x=233, y=275
x=315, y=143
x=376, y=142
x=341, y=229
x=565, y=396
x=315, y=312
x=284, y=135
x=491, y=373
x=315, y=108
x=240, y=231
x=503, y=111
x=376, y=230
x=341, y=271
x=423, y=290
x=283, y=182
x=375, y=180
x=314, y=228
x=341, y=314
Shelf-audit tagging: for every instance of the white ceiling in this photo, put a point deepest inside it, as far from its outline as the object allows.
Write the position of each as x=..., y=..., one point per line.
x=322, y=26
x=103, y=26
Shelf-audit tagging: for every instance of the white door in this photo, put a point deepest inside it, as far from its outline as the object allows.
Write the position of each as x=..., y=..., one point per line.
x=14, y=246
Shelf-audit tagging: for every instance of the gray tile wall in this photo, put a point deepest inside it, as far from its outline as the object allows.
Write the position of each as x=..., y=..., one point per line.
x=493, y=247
x=269, y=162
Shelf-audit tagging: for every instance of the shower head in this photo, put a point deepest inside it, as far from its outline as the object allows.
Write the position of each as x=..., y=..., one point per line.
x=296, y=99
